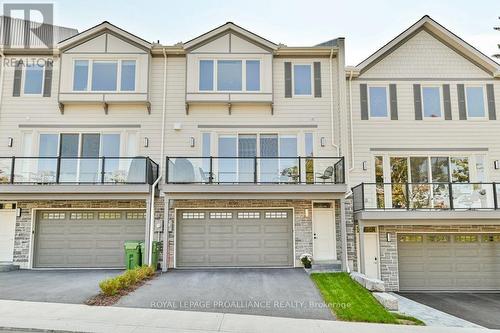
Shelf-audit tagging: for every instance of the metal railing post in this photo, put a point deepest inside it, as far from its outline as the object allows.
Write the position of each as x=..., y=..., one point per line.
x=102, y=169
x=211, y=175
x=450, y=191
x=362, y=196
x=407, y=187
x=495, y=198
x=166, y=170
x=300, y=170
x=255, y=179
x=12, y=167
x=58, y=169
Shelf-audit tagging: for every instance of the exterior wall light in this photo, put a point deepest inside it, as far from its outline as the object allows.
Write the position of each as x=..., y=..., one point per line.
x=388, y=236
x=146, y=142
x=191, y=141
x=10, y=142
x=365, y=165
x=496, y=164
x=323, y=141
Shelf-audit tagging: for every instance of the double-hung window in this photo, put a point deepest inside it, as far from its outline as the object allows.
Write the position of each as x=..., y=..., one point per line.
x=33, y=79
x=104, y=75
x=431, y=98
x=229, y=75
x=302, y=80
x=475, y=102
x=378, y=102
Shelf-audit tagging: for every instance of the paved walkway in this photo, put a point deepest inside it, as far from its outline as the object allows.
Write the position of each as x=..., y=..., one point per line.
x=82, y=318
x=431, y=316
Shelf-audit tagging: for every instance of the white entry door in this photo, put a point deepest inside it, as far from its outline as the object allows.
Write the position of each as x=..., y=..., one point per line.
x=7, y=230
x=324, y=235
x=371, y=255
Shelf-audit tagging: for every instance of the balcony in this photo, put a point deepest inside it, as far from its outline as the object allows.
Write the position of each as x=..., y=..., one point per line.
x=425, y=197
x=21, y=175
x=255, y=174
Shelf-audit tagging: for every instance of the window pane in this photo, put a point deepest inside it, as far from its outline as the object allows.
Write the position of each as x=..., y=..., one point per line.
x=475, y=102
x=90, y=167
x=269, y=166
x=112, y=167
x=419, y=169
x=289, y=167
x=459, y=169
x=206, y=75
x=302, y=79
x=309, y=144
x=104, y=76
x=379, y=178
x=229, y=75
x=227, y=166
x=440, y=169
x=253, y=75
x=432, y=102
x=80, y=75
x=378, y=102
x=480, y=171
x=69, y=149
x=247, y=147
x=399, y=176
x=111, y=145
x=33, y=80
x=128, y=75
x=205, y=149
x=47, y=147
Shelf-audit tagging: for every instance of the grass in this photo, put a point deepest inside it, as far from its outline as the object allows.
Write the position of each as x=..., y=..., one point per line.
x=351, y=302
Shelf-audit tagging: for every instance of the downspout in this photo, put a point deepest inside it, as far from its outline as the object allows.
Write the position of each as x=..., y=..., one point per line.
x=350, y=122
x=164, y=111
x=152, y=219
x=2, y=70
x=331, y=105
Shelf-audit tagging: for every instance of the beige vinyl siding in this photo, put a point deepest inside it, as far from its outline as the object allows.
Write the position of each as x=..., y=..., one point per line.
x=295, y=111
x=408, y=133
x=429, y=58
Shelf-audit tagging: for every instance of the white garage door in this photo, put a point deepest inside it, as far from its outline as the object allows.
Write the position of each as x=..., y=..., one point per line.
x=234, y=238
x=457, y=262
x=85, y=239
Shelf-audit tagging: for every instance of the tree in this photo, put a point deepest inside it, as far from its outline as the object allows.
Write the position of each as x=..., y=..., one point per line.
x=497, y=29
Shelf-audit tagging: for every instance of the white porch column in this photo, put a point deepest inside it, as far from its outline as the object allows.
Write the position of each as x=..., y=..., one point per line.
x=166, y=222
x=361, y=266
x=343, y=236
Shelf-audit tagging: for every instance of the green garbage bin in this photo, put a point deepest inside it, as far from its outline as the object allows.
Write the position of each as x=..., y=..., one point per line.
x=132, y=254
x=155, y=254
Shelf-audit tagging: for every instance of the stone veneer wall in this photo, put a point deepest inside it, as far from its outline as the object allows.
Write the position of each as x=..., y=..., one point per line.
x=23, y=222
x=389, y=252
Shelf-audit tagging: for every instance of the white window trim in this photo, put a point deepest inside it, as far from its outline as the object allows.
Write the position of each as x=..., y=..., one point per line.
x=89, y=76
x=23, y=82
x=311, y=65
x=387, y=116
x=485, y=103
x=243, y=76
x=441, y=102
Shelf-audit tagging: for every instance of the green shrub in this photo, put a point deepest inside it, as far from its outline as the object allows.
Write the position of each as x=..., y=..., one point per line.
x=148, y=271
x=141, y=274
x=131, y=276
x=123, y=281
x=109, y=287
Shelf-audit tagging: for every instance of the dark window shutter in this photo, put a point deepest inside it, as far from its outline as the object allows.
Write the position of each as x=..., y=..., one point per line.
x=18, y=73
x=462, y=111
x=288, y=79
x=447, y=102
x=363, y=95
x=417, y=100
x=490, y=95
x=47, y=84
x=317, y=79
x=393, y=97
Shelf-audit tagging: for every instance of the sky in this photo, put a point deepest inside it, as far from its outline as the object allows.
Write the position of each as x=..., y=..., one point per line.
x=366, y=25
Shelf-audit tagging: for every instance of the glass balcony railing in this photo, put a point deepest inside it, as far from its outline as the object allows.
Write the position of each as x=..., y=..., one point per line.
x=425, y=196
x=255, y=170
x=77, y=170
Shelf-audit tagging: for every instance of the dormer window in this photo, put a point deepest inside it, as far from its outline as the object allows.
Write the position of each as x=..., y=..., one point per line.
x=104, y=75
x=232, y=75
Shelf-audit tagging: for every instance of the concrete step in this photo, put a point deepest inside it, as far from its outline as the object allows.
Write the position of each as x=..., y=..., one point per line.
x=8, y=267
x=324, y=266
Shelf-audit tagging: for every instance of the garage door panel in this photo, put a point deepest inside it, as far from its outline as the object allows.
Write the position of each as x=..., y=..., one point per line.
x=458, y=263
x=194, y=244
x=232, y=239
x=85, y=242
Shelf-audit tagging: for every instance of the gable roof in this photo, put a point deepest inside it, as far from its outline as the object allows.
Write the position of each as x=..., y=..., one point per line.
x=442, y=34
x=100, y=29
x=229, y=26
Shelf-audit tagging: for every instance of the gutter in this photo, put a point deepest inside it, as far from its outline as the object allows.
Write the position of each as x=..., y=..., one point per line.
x=331, y=104
x=151, y=219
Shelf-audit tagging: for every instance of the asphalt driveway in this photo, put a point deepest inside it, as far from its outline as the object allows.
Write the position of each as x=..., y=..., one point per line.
x=60, y=286
x=479, y=308
x=269, y=292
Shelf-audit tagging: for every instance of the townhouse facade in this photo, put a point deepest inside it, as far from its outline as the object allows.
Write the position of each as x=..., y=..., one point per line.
x=234, y=151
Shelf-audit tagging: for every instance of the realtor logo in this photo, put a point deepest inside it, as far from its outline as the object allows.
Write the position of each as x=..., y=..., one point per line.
x=22, y=32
